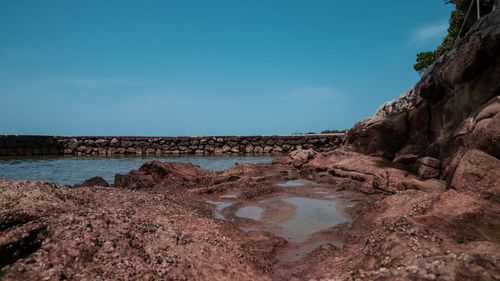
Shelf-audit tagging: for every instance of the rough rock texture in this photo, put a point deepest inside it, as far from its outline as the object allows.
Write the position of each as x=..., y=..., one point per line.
x=367, y=174
x=50, y=232
x=403, y=103
x=413, y=229
x=297, y=158
x=455, y=107
x=155, y=226
x=95, y=181
x=157, y=174
x=478, y=172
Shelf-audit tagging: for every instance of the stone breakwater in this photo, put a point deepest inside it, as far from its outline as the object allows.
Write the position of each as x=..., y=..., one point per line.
x=11, y=145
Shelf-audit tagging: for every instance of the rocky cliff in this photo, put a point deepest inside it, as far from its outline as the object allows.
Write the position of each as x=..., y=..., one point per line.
x=453, y=109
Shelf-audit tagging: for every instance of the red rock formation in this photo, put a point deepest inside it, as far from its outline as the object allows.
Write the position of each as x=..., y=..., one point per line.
x=157, y=174
x=456, y=107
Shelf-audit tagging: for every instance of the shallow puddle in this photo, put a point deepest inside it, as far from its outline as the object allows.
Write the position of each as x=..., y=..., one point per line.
x=219, y=206
x=250, y=212
x=298, y=219
x=305, y=216
x=310, y=216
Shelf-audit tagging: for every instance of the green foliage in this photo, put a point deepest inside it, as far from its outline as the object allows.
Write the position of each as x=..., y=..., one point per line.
x=425, y=59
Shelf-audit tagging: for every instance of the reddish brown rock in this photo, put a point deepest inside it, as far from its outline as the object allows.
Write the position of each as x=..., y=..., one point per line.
x=49, y=232
x=297, y=158
x=95, y=181
x=427, y=167
x=456, y=107
x=478, y=172
x=157, y=174
x=367, y=174
x=379, y=136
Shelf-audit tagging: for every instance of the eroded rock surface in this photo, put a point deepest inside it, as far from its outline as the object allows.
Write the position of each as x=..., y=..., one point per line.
x=51, y=232
x=157, y=174
x=454, y=108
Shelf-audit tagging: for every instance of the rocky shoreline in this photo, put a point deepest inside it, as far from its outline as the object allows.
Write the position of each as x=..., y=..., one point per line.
x=422, y=182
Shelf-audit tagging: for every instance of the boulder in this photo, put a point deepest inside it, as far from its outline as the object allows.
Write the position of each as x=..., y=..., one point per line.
x=73, y=144
x=164, y=174
x=297, y=158
x=268, y=149
x=258, y=149
x=478, y=172
x=114, y=142
x=277, y=148
x=249, y=149
x=95, y=181
x=379, y=136
x=486, y=132
x=126, y=144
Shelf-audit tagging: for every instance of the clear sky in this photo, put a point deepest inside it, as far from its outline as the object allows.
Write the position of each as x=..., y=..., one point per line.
x=218, y=67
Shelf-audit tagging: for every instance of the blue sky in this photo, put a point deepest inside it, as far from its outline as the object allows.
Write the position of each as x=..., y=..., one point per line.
x=219, y=67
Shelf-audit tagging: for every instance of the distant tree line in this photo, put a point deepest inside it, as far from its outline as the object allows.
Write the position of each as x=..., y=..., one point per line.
x=332, y=131
x=425, y=59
